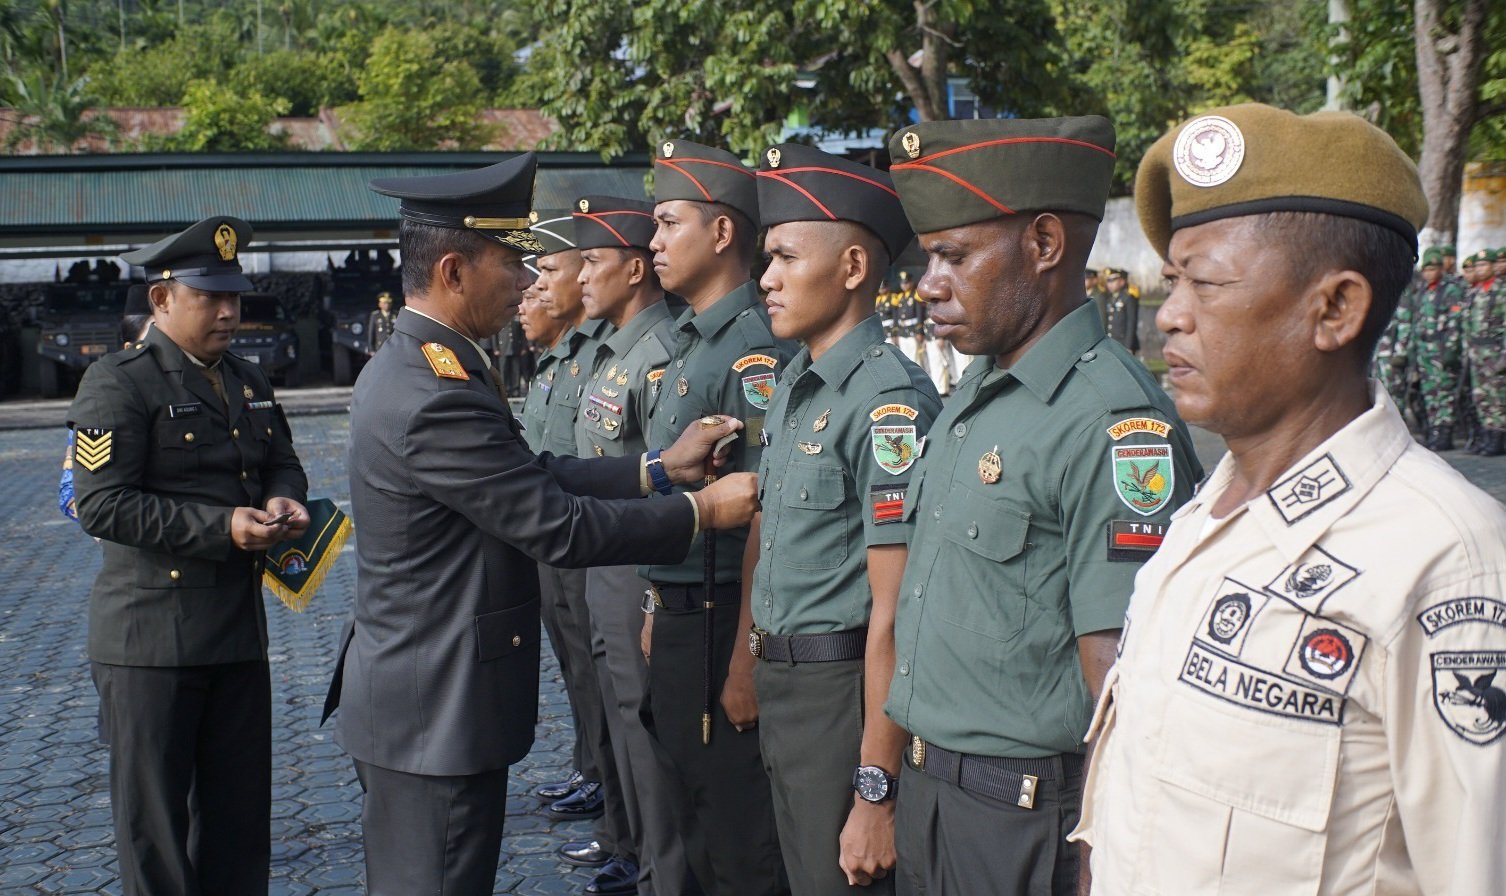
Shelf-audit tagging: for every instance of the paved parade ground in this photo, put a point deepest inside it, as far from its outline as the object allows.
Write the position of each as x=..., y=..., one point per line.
x=55, y=832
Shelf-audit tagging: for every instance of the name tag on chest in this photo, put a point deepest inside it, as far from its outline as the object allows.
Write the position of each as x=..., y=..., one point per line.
x=179, y=411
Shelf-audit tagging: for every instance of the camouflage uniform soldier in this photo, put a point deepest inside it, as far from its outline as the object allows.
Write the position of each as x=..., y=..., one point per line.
x=1392, y=354
x=1486, y=340
x=1436, y=332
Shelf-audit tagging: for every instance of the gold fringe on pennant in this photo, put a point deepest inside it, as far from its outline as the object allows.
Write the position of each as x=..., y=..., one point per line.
x=298, y=601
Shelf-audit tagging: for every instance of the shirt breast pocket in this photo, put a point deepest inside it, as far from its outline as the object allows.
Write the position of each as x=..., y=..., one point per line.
x=988, y=583
x=809, y=537
x=178, y=445
x=1256, y=809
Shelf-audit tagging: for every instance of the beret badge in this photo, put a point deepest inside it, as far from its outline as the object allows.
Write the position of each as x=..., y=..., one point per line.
x=911, y=142
x=773, y=156
x=584, y=205
x=224, y=241
x=669, y=149
x=1209, y=151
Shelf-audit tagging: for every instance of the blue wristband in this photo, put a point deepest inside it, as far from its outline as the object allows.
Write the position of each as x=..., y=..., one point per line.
x=656, y=475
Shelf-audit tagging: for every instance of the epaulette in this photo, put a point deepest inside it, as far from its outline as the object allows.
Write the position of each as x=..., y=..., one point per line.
x=885, y=369
x=444, y=362
x=754, y=328
x=130, y=352
x=1118, y=385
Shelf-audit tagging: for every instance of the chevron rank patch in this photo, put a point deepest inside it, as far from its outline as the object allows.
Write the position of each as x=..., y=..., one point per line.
x=444, y=362
x=91, y=448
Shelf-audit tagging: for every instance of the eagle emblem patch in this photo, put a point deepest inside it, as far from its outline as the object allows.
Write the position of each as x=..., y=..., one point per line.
x=1143, y=476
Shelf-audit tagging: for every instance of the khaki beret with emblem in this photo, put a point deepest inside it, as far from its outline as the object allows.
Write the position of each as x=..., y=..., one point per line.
x=554, y=228
x=610, y=222
x=1255, y=159
x=699, y=173
x=802, y=183
x=955, y=173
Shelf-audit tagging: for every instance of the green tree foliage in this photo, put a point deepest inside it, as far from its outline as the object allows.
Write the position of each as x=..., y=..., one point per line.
x=219, y=119
x=56, y=116
x=412, y=100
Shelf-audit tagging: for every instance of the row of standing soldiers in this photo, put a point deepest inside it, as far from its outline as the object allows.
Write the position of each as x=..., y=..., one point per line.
x=1443, y=357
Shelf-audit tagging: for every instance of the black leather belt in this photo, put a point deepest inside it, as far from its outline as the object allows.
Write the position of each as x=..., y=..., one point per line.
x=684, y=598
x=823, y=648
x=1012, y=781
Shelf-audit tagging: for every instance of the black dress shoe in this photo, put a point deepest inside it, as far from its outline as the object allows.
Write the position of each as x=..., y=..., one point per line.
x=583, y=854
x=583, y=803
x=618, y=878
x=558, y=790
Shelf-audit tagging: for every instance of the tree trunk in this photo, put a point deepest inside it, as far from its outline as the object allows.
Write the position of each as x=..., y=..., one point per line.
x=1448, y=83
x=927, y=88
x=1338, y=16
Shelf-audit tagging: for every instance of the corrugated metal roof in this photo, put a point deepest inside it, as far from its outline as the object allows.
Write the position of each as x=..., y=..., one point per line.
x=284, y=196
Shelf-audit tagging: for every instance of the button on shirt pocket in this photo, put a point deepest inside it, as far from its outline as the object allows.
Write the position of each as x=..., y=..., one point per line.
x=506, y=631
x=807, y=536
x=987, y=581
x=1272, y=797
x=178, y=443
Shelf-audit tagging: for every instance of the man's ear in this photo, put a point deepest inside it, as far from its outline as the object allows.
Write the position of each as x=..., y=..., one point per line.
x=856, y=263
x=1045, y=241
x=726, y=233
x=637, y=268
x=158, y=295
x=1343, y=300
x=448, y=272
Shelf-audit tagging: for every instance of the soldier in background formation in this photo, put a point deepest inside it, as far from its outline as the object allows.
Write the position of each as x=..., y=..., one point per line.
x=1121, y=309
x=1436, y=331
x=1485, y=351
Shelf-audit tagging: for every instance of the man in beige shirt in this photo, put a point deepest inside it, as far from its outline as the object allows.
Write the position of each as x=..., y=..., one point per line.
x=1310, y=695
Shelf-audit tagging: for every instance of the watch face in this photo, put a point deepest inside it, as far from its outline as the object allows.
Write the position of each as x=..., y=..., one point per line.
x=872, y=784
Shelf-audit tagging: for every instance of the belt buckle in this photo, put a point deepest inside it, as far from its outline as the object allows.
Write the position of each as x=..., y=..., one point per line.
x=755, y=643
x=918, y=753
x=1027, y=791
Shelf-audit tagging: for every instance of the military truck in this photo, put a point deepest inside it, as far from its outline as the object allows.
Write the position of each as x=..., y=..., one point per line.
x=266, y=338
x=79, y=323
x=354, y=287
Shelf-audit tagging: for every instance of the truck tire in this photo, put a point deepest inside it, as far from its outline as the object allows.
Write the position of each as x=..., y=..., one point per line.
x=342, y=365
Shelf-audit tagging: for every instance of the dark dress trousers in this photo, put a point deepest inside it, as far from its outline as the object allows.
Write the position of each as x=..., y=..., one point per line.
x=177, y=628
x=438, y=672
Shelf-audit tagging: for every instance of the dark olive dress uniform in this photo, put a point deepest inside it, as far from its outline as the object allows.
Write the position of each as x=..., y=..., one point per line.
x=437, y=680
x=177, y=630
x=612, y=422
x=725, y=361
x=1121, y=315
x=842, y=435
x=379, y=328
x=1041, y=490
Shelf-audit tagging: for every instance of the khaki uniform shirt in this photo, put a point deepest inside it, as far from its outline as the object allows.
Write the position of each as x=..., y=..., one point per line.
x=725, y=362
x=842, y=435
x=626, y=367
x=568, y=388
x=1309, y=694
x=1038, y=494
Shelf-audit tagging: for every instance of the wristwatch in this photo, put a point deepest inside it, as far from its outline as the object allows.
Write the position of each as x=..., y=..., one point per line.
x=874, y=784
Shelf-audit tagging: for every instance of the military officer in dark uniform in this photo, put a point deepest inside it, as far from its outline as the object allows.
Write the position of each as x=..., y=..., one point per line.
x=846, y=421
x=185, y=469
x=379, y=326
x=1046, y=482
x=437, y=679
x=1121, y=309
x=725, y=362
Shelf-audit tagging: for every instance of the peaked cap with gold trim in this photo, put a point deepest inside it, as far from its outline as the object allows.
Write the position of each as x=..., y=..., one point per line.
x=1254, y=159
x=554, y=228
x=491, y=201
x=609, y=222
x=699, y=173
x=802, y=183
x=955, y=173
x=206, y=256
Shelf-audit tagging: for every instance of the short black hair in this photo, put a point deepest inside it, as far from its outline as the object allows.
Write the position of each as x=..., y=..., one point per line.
x=744, y=234
x=422, y=245
x=132, y=326
x=1315, y=243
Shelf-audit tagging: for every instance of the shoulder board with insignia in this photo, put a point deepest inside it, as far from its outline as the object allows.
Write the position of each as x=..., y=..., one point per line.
x=1114, y=383
x=747, y=361
x=888, y=369
x=444, y=362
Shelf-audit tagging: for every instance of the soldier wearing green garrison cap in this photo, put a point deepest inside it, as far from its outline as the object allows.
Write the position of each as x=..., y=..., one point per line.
x=184, y=468
x=1484, y=338
x=1299, y=701
x=725, y=362
x=1043, y=486
x=843, y=428
x=1437, y=323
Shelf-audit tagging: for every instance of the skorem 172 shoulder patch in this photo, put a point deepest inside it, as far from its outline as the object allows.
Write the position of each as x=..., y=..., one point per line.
x=1132, y=425
x=93, y=447
x=758, y=387
x=1447, y=613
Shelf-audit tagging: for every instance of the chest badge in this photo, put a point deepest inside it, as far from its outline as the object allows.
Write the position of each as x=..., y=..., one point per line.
x=990, y=467
x=810, y=447
x=682, y=388
x=821, y=421
x=610, y=393
x=575, y=368
x=612, y=373
x=621, y=379
x=246, y=391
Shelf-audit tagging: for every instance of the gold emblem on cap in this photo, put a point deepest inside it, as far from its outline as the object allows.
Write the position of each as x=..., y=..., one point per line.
x=911, y=143
x=246, y=391
x=533, y=217
x=224, y=240
x=990, y=467
x=585, y=206
x=669, y=149
x=1208, y=151
x=167, y=275
x=773, y=155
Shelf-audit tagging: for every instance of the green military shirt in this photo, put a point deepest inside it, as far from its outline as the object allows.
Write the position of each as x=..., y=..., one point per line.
x=536, y=405
x=842, y=434
x=1037, y=496
x=614, y=415
x=725, y=362
x=568, y=387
